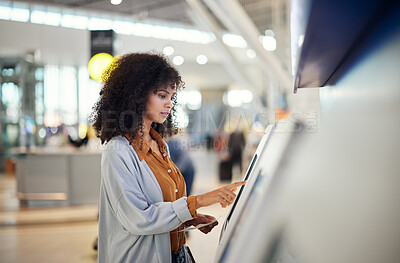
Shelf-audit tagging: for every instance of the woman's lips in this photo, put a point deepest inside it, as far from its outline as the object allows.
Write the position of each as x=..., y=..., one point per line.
x=165, y=114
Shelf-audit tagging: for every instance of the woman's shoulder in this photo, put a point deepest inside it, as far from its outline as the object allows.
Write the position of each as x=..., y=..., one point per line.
x=120, y=146
x=117, y=144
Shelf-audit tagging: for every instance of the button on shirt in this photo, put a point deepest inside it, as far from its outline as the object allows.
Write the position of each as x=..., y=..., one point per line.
x=169, y=178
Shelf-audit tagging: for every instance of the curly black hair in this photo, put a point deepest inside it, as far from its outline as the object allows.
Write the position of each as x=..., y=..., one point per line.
x=128, y=83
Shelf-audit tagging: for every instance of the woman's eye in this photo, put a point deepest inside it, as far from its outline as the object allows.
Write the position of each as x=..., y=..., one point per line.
x=162, y=96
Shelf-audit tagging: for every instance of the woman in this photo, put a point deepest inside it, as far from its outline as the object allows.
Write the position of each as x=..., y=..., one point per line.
x=143, y=203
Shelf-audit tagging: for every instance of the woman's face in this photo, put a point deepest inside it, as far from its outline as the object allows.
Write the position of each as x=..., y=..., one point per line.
x=159, y=104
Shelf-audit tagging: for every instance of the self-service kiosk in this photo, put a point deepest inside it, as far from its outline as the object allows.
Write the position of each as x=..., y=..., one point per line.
x=259, y=176
x=332, y=195
x=260, y=214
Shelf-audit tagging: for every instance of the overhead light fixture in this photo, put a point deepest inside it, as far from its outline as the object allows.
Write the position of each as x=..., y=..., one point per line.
x=236, y=98
x=269, y=33
x=168, y=50
x=116, y=2
x=190, y=98
x=20, y=14
x=96, y=23
x=201, y=59
x=251, y=53
x=178, y=60
x=269, y=43
x=234, y=40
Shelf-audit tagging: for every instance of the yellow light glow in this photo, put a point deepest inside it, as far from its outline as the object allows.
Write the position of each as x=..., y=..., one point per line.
x=98, y=64
x=83, y=128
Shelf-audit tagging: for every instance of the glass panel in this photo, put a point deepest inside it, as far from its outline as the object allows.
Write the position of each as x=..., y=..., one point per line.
x=11, y=135
x=5, y=10
x=20, y=12
x=39, y=103
x=68, y=95
x=10, y=94
x=51, y=96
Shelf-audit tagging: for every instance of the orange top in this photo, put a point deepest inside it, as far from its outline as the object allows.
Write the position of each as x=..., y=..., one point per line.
x=170, y=180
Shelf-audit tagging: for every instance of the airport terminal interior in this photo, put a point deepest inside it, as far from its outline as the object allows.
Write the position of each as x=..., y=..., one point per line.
x=300, y=98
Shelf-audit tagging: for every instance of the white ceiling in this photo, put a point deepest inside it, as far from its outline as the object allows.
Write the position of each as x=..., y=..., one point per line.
x=162, y=10
x=65, y=46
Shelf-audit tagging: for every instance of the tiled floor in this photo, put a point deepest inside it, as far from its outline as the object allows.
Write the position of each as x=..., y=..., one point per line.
x=204, y=246
x=67, y=234
x=66, y=242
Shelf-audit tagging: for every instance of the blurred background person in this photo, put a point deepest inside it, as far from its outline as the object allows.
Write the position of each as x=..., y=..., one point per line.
x=236, y=145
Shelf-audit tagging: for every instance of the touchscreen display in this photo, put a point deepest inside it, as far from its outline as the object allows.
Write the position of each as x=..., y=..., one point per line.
x=256, y=191
x=241, y=189
x=237, y=197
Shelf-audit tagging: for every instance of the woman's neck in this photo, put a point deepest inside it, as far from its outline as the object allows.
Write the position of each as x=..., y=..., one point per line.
x=146, y=131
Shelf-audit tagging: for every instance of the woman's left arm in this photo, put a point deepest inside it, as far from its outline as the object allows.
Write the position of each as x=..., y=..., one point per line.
x=129, y=203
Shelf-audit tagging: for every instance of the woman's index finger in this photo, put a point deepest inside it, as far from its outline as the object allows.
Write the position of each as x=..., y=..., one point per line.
x=236, y=185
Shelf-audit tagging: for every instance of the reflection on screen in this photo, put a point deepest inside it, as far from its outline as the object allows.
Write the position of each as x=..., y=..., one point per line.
x=279, y=252
x=255, y=192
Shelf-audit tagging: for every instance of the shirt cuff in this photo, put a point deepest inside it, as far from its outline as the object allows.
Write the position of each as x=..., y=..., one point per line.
x=191, y=203
x=181, y=209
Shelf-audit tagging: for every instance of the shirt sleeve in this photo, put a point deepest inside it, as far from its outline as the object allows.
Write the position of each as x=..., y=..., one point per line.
x=191, y=202
x=129, y=203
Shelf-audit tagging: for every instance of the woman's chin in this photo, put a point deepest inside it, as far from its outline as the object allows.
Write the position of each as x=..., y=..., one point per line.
x=161, y=121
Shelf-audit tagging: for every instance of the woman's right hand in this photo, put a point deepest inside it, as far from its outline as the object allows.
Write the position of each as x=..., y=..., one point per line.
x=224, y=195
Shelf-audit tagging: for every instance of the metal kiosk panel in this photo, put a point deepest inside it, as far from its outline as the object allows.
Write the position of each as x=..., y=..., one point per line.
x=258, y=183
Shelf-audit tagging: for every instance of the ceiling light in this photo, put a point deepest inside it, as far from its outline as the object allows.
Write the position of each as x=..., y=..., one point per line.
x=123, y=27
x=5, y=12
x=20, y=14
x=236, y=98
x=52, y=19
x=190, y=98
x=38, y=17
x=201, y=59
x=96, y=23
x=168, y=50
x=178, y=60
x=251, y=53
x=116, y=2
x=269, y=32
x=269, y=43
x=233, y=40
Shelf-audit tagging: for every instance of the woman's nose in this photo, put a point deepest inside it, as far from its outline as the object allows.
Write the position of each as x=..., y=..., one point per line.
x=169, y=103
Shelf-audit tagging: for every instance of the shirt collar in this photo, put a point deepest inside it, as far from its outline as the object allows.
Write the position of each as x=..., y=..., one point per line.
x=145, y=146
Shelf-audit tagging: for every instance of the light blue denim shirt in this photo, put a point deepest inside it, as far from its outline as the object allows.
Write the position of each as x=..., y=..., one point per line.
x=134, y=221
